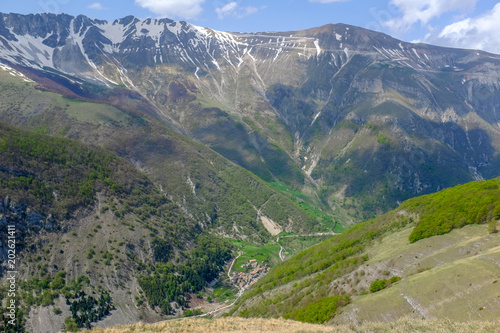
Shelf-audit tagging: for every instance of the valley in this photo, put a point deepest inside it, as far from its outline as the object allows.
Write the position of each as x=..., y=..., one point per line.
x=335, y=176
x=353, y=120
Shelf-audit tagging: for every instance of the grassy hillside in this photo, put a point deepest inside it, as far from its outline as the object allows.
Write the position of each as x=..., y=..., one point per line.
x=453, y=277
x=347, y=264
x=239, y=325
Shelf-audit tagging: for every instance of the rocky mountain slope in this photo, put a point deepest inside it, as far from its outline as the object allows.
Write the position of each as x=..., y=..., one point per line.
x=89, y=227
x=210, y=188
x=356, y=119
x=80, y=219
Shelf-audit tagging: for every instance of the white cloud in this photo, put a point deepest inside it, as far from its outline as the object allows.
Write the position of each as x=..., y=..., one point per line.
x=251, y=10
x=480, y=32
x=227, y=10
x=328, y=1
x=423, y=11
x=233, y=9
x=96, y=5
x=187, y=9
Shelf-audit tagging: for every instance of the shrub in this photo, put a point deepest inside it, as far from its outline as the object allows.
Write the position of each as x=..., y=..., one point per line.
x=70, y=325
x=378, y=285
x=394, y=279
x=492, y=227
x=382, y=139
x=320, y=311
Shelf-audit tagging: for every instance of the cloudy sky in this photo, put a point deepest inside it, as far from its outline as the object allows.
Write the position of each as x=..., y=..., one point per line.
x=458, y=23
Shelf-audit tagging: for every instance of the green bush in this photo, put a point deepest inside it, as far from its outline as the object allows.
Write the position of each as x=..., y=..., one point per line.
x=378, y=285
x=394, y=279
x=320, y=311
x=70, y=325
x=382, y=139
x=492, y=226
x=382, y=284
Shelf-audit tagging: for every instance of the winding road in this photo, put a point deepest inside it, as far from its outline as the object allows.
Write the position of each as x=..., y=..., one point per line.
x=242, y=289
x=282, y=257
x=231, y=267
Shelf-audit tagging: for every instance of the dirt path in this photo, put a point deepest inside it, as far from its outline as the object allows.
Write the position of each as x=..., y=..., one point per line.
x=231, y=267
x=281, y=249
x=242, y=289
x=282, y=257
x=331, y=233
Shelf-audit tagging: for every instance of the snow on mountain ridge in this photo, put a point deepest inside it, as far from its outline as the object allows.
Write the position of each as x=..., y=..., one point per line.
x=84, y=47
x=38, y=51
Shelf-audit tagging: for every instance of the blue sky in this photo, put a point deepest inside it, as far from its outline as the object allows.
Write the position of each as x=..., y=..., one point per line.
x=457, y=23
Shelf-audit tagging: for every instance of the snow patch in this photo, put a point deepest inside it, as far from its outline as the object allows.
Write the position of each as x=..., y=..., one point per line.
x=32, y=49
x=379, y=51
x=114, y=32
x=216, y=64
x=318, y=49
x=415, y=51
x=277, y=54
x=315, y=117
x=14, y=73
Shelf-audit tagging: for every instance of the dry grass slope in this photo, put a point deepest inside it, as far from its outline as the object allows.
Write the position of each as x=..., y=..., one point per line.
x=236, y=325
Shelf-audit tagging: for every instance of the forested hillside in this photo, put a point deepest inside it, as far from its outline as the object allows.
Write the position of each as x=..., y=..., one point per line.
x=53, y=190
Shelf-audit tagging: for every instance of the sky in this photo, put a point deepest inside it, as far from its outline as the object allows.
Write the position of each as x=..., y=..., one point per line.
x=473, y=24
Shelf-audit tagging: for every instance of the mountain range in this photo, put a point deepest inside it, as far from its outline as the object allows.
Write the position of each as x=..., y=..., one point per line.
x=246, y=135
x=357, y=119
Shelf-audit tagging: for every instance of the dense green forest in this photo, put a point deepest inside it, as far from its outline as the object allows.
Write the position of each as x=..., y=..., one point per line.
x=471, y=203
x=169, y=282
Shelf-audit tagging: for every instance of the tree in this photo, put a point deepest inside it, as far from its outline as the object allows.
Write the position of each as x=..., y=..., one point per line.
x=492, y=226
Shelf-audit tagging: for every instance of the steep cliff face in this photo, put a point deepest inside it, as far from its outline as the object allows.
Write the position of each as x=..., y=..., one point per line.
x=358, y=119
